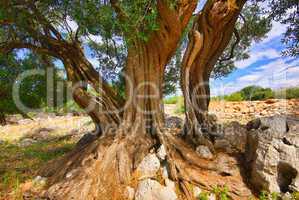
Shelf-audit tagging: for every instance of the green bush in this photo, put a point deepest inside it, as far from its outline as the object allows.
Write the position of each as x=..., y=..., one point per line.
x=171, y=100
x=253, y=93
x=221, y=193
x=236, y=96
x=288, y=93
x=180, y=106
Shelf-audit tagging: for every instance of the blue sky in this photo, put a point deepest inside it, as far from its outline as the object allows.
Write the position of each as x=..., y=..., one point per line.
x=265, y=67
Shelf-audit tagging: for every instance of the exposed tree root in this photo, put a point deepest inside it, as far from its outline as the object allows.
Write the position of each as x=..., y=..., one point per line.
x=103, y=168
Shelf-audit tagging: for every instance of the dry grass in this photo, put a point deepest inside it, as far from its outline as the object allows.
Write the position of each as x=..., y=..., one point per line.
x=18, y=165
x=60, y=125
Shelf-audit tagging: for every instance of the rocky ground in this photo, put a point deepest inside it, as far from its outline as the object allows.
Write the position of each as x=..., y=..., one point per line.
x=245, y=111
x=257, y=149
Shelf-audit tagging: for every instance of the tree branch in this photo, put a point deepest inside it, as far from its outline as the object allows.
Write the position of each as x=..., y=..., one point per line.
x=231, y=55
x=7, y=47
x=119, y=11
x=45, y=22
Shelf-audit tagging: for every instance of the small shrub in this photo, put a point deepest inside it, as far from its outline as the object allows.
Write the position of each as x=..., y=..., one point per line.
x=221, y=193
x=264, y=195
x=180, y=106
x=171, y=100
x=203, y=196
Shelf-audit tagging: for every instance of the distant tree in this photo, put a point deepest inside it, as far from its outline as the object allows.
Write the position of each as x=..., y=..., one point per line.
x=33, y=89
x=252, y=93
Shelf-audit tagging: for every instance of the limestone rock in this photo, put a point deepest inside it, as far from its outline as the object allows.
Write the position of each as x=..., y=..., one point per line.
x=130, y=192
x=196, y=191
x=273, y=155
x=152, y=190
x=165, y=173
x=148, y=166
x=162, y=152
x=233, y=139
x=204, y=152
x=170, y=184
x=277, y=124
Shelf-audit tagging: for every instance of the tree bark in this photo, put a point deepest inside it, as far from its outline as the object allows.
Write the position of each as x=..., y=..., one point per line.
x=211, y=32
x=2, y=119
x=103, y=106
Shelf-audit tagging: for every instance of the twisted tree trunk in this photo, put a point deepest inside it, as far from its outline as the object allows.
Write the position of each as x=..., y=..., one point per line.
x=211, y=32
x=101, y=169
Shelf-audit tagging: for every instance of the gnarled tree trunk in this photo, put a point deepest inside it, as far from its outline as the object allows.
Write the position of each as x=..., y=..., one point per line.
x=211, y=32
x=101, y=169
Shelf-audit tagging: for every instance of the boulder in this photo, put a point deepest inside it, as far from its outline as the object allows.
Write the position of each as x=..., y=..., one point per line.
x=277, y=124
x=273, y=155
x=148, y=166
x=152, y=190
x=232, y=139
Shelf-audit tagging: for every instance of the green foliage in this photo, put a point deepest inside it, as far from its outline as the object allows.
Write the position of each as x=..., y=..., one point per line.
x=180, y=106
x=286, y=12
x=253, y=93
x=236, y=96
x=171, y=100
x=288, y=93
x=250, y=93
x=221, y=192
x=33, y=89
x=203, y=196
x=264, y=195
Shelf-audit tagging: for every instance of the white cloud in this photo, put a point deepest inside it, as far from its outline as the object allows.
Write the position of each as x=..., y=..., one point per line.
x=256, y=56
x=250, y=78
x=279, y=73
x=95, y=38
x=277, y=30
x=72, y=24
